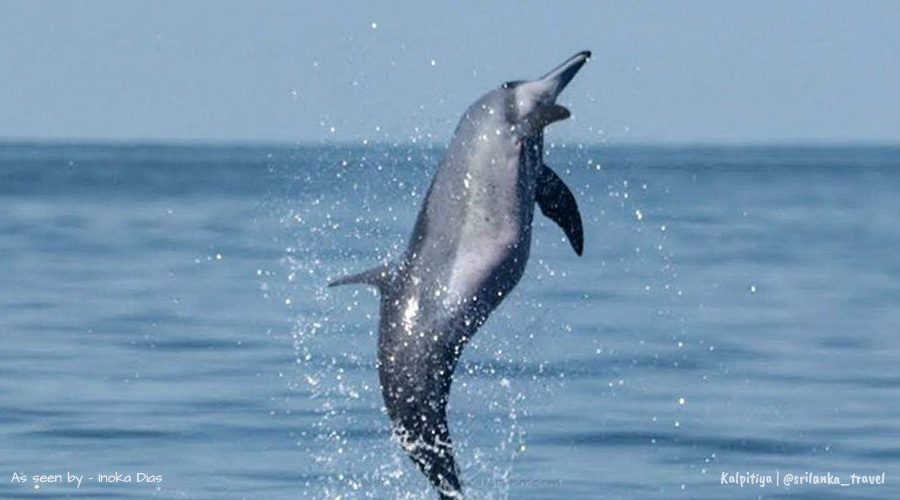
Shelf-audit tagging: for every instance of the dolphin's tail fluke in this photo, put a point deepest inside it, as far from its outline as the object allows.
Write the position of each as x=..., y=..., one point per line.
x=426, y=440
x=379, y=277
x=435, y=460
x=415, y=385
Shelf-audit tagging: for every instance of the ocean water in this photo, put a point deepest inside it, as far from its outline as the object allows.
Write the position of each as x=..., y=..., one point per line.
x=163, y=312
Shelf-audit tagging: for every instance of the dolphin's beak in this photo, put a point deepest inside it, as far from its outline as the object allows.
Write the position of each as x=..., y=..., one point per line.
x=560, y=76
x=537, y=98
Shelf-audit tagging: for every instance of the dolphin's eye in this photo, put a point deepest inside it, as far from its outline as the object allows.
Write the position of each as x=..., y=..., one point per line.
x=512, y=84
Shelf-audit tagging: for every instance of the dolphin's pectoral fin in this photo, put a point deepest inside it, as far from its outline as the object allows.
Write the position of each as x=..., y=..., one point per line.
x=379, y=276
x=558, y=203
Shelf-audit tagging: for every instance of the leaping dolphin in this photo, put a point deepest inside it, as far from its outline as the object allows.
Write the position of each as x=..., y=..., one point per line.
x=468, y=250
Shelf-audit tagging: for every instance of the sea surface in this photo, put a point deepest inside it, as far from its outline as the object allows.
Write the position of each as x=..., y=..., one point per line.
x=163, y=312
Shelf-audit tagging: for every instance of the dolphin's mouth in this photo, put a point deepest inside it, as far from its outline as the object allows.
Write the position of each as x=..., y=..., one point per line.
x=563, y=74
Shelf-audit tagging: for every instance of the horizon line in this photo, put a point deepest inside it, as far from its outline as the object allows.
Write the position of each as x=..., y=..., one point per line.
x=431, y=144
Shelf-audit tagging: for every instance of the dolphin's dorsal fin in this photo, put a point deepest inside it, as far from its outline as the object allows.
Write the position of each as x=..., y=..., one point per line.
x=558, y=203
x=379, y=276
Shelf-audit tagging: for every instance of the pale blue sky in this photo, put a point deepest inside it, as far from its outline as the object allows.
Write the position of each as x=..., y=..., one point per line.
x=670, y=72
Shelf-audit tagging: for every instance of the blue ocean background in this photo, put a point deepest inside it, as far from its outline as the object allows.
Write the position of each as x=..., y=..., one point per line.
x=163, y=310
